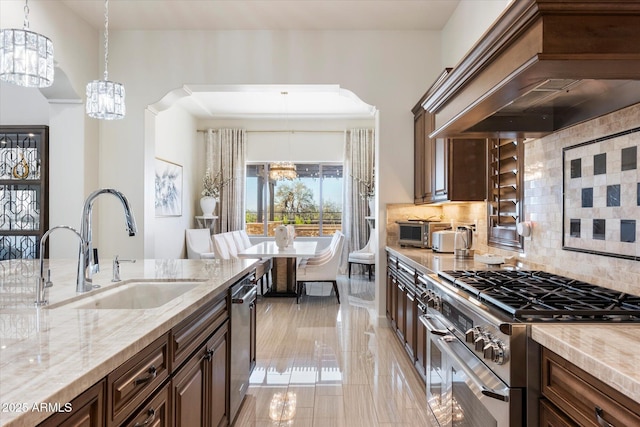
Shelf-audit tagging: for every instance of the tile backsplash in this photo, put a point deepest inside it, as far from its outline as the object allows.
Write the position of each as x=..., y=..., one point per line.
x=543, y=207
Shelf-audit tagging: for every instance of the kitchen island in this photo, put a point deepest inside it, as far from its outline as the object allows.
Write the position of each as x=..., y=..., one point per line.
x=49, y=355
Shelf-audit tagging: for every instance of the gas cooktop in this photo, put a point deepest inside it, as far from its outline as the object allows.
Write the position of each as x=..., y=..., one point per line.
x=538, y=295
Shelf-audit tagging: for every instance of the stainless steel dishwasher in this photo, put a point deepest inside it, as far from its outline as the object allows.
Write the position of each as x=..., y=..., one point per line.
x=243, y=299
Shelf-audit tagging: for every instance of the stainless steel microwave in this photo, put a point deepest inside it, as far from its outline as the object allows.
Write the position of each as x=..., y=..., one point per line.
x=419, y=233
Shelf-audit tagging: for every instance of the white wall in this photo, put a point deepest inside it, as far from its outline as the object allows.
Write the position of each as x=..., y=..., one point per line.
x=73, y=136
x=465, y=27
x=177, y=141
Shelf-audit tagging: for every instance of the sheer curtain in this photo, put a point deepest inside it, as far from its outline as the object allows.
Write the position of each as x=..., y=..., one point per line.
x=225, y=153
x=359, y=160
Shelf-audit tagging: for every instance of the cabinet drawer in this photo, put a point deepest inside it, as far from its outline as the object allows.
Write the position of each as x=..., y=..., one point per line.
x=136, y=379
x=156, y=413
x=191, y=332
x=552, y=417
x=88, y=410
x=584, y=398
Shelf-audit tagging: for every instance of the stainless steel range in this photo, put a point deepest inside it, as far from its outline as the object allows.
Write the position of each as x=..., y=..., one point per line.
x=483, y=369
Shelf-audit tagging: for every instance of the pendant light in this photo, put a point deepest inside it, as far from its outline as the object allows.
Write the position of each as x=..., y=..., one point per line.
x=26, y=58
x=279, y=171
x=105, y=99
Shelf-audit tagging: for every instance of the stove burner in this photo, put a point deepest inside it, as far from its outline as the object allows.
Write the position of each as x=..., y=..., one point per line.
x=538, y=295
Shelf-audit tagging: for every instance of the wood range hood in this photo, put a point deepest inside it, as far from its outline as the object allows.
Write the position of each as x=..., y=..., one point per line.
x=543, y=66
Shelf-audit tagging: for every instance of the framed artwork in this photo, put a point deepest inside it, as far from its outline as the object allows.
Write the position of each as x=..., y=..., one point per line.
x=168, y=188
x=601, y=196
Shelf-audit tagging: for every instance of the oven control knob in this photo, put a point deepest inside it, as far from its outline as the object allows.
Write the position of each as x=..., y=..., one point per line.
x=494, y=352
x=480, y=342
x=472, y=334
x=437, y=302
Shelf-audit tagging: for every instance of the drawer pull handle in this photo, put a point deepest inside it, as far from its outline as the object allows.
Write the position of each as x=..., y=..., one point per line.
x=601, y=420
x=152, y=374
x=150, y=418
x=208, y=354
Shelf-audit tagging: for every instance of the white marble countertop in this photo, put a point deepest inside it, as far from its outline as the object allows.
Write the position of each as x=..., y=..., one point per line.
x=610, y=353
x=52, y=354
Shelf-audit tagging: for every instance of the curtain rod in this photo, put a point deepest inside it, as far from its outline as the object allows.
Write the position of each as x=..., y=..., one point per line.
x=285, y=131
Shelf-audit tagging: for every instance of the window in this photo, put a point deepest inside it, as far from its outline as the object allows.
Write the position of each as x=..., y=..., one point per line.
x=312, y=202
x=505, y=193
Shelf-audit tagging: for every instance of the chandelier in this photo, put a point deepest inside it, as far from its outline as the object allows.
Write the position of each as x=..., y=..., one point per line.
x=105, y=99
x=26, y=58
x=279, y=171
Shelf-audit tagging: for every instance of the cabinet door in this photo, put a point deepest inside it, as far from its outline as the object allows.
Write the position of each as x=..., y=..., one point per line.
x=421, y=157
x=188, y=389
x=24, y=190
x=156, y=413
x=440, y=169
x=400, y=310
x=421, y=343
x=411, y=316
x=551, y=417
x=217, y=387
x=88, y=410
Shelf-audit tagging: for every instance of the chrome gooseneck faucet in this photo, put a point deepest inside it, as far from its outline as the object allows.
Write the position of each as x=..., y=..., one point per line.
x=45, y=282
x=86, y=264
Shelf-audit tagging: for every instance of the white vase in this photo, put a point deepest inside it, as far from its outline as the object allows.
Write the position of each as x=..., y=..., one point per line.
x=282, y=236
x=208, y=205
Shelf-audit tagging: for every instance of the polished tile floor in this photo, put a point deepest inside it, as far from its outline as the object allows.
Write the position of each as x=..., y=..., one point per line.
x=324, y=364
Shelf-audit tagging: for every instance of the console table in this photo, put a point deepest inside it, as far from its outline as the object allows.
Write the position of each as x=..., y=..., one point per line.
x=207, y=222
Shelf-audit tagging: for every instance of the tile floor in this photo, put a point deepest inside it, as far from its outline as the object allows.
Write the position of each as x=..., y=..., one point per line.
x=339, y=367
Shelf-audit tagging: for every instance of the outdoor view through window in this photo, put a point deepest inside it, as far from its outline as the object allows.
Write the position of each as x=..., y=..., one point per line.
x=312, y=202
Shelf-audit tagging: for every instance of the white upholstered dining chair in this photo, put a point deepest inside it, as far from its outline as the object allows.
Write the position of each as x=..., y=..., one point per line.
x=365, y=256
x=321, y=268
x=199, y=244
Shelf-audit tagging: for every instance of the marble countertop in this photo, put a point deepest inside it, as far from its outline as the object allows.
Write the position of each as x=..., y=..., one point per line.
x=609, y=352
x=52, y=354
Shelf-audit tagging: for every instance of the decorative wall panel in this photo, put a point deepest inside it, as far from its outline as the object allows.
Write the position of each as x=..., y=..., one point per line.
x=601, y=196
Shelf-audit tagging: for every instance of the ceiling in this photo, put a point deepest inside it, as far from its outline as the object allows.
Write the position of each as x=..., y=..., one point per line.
x=267, y=14
x=277, y=15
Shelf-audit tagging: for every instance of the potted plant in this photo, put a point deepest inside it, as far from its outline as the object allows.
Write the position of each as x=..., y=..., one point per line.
x=367, y=192
x=211, y=192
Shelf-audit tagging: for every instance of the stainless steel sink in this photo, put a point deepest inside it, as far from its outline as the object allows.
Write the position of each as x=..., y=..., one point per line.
x=135, y=295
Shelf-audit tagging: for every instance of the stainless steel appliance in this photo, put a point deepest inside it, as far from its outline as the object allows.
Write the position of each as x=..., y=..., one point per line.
x=418, y=233
x=463, y=242
x=483, y=368
x=243, y=298
x=443, y=241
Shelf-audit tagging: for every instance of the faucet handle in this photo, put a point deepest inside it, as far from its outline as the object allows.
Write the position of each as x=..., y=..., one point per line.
x=48, y=283
x=116, y=267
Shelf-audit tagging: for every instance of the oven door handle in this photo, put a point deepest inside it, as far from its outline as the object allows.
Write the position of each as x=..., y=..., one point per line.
x=431, y=327
x=489, y=392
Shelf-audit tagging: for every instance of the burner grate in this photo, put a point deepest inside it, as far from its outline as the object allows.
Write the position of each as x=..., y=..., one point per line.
x=544, y=296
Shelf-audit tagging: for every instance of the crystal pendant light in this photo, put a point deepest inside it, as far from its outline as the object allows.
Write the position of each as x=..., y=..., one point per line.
x=26, y=58
x=105, y=99
x=279, y=171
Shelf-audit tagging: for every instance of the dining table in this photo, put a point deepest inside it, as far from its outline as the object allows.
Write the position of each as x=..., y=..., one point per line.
x=284, y=263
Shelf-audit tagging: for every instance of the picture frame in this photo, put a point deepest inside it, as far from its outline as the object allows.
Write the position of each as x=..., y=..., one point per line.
x=168, y=188
x=601, y=196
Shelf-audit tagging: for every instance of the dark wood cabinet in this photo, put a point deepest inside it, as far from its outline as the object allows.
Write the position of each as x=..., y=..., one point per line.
x=156, y=413
x=403, y=310
x=575, y=397
x=200, y=396
x=447, y=169
x=86, y=410
x=217, y=378
x=253, y=322
x=131, y=384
